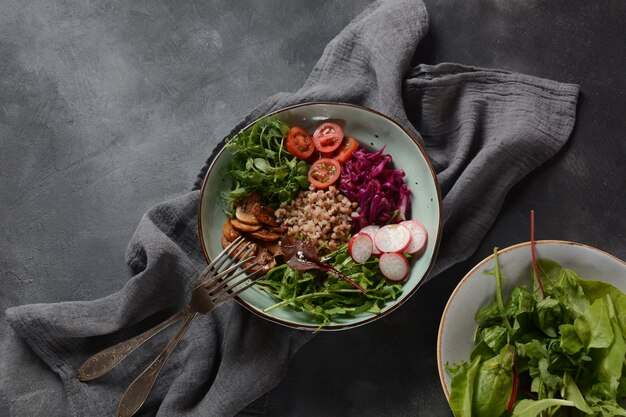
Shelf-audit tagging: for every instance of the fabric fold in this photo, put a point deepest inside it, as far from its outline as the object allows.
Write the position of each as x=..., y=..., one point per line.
x=484, y=130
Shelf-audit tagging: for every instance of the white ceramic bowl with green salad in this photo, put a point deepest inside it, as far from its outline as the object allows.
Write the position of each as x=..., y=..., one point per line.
x=566, y=334
x=274, y=167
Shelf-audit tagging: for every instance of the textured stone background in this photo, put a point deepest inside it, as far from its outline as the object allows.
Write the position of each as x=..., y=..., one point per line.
x=109, y=107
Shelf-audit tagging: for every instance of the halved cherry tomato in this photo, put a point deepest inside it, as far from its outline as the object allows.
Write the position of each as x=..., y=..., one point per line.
x=299, y=143
x=345, y=151
x=327, y=137
x=324, y=172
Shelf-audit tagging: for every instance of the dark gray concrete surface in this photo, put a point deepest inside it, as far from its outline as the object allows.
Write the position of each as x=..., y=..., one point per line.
x=109, y=107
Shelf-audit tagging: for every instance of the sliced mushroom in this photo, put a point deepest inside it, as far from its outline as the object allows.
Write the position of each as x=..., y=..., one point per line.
x=244, y=227
x=278, y=229
x=229, y=232
x=245, y=216
x=266, y=235
x=264, y=214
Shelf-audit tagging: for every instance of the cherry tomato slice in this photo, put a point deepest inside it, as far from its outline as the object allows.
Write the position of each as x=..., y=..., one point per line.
x=324, y=172
x=299, y=143
x=327, y=137
x=345, y=151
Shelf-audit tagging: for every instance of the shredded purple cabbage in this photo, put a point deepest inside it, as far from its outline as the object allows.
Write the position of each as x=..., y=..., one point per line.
x=370, y=180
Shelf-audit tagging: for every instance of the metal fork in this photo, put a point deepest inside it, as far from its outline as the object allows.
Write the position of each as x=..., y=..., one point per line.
x=213, y=288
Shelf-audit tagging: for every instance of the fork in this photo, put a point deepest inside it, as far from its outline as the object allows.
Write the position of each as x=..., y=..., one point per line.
x=212, y=289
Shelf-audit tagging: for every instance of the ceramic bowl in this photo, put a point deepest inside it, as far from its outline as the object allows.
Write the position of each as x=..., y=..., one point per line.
x=476, y=290
x=373, y=130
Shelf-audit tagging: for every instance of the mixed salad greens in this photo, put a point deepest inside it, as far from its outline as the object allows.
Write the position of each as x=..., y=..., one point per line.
x=261, y=163
x=325, y=298
x=558, y=349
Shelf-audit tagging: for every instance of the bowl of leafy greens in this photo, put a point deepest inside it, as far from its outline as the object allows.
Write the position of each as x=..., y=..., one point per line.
x=537, y=329
x=343, y=207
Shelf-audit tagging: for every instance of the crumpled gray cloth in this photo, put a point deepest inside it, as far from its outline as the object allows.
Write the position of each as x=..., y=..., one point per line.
x=484, y=131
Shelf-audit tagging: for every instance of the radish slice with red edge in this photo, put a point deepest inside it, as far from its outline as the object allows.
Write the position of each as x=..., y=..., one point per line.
x=419, y=236
x=394, y=267
x=371, y=232
x=392, y=238
x=360, y=247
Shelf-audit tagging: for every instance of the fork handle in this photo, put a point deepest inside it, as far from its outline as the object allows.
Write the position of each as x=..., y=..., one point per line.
x=105, y=360
x=137, y=392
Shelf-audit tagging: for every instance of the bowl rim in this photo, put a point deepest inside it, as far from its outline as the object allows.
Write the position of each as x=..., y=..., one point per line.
x=478, y=266
x=330, y=327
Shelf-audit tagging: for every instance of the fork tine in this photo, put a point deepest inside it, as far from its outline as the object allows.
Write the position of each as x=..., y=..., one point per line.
x=243, y=258
x=231, y=274
x=231, y=251
x=223, y=277
x=219, y=260
x=227, y=250
x=243, y=252
x=240, y=290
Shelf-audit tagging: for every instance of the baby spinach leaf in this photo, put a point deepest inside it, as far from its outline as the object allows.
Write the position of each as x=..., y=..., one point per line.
x=493, y=384
x=594, y=327
x=548, y=315
x=595, y=290
x=483, y=350
x=610, y=361
x=462, y=390
x=495, y=337
x=570, y=342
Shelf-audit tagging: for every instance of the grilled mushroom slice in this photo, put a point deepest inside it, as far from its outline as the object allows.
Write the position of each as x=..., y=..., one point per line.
x=244, y=227
x=264, y=214
x=266, y=235
x=245, y=216
x=229, y=231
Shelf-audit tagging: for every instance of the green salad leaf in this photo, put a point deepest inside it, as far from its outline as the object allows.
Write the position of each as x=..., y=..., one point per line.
x=327, y=297
x=261, y=162
x=464, y=382
x=567, y=344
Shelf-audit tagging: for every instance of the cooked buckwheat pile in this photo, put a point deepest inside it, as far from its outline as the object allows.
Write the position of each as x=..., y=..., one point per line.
x=319, y=216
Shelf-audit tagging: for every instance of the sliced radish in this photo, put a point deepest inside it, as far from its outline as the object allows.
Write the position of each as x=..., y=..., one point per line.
x=360, y=247
x=394, y=266
x=419, y=237
x=371, y=232
x=392, y=238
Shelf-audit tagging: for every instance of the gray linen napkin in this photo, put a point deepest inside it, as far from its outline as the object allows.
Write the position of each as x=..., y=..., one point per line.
x=484, y=130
